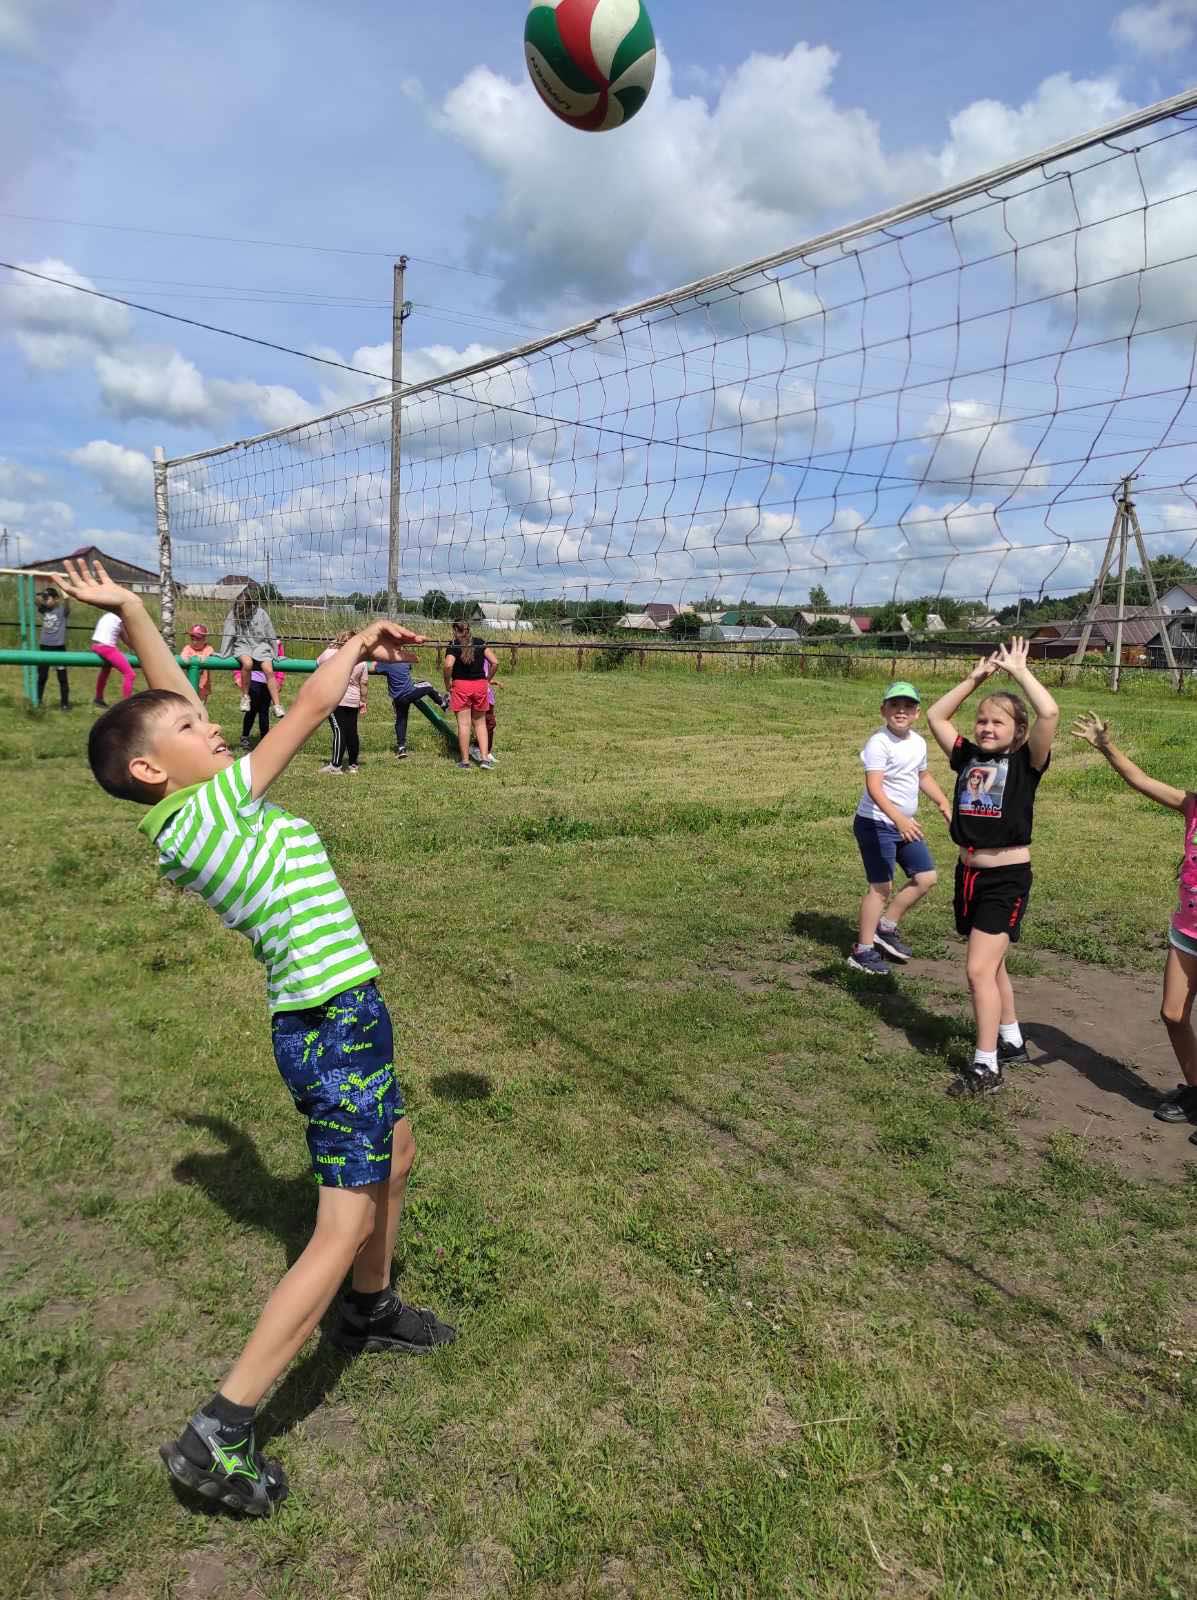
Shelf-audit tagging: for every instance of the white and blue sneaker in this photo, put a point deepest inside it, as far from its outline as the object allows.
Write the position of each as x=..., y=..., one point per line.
x=887, y=940
x=870, y=960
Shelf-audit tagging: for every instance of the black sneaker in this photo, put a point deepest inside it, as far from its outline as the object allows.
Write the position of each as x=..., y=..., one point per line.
x=442, y=700
x=892, y=944
x=237, y=1475
x=1180, y=1107
x=1011, y=1054
x=976, y=1079
x=869, y=960
x=401, y=752
x=394, y=1326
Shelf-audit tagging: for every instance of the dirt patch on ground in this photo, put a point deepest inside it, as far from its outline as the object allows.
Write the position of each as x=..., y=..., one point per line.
x=1100, y=1061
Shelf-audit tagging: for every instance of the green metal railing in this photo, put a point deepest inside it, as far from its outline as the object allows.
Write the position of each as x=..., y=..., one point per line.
x=31, y=658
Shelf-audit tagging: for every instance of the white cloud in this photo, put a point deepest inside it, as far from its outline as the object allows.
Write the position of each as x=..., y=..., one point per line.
x=57, y=327
x=15, y=479
x=35, y=516
x=974, y=443
x=127, y=476
x=23, y=21
x=1159, y=29
x=695, y=186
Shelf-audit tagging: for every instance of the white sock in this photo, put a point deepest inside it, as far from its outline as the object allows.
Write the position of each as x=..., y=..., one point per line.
x=985, y=1058
x=887, y=926
x=1010, y=1033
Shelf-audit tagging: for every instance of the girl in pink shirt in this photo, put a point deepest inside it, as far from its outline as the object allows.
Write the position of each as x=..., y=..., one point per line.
x=1180, y=969
x=343, y=721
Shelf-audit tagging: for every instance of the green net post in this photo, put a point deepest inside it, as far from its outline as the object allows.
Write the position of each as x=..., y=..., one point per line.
x=193, y=674
x=27, y=626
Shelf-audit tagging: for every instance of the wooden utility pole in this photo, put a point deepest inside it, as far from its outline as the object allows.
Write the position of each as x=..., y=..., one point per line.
x=1124, y=526
x=400, y=311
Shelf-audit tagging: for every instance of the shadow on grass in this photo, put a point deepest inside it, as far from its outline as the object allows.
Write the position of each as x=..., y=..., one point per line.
x=459, y=1086
x=252, y=1196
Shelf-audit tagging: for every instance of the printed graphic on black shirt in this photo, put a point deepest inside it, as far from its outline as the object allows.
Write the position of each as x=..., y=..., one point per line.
x=981, y=788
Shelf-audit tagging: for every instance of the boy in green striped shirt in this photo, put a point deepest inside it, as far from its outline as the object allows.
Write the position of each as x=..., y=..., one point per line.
x=265, y=873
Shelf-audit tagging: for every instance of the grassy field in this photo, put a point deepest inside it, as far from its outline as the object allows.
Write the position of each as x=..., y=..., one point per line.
x=747, y=1306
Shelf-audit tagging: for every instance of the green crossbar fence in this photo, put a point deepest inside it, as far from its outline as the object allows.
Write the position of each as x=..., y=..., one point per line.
x=30, y=658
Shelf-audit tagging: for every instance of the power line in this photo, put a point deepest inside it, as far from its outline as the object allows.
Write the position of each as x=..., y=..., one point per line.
x=208, y=327
x=266, y=244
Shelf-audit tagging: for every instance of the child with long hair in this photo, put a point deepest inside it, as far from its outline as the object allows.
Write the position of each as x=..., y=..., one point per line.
x=267, y=876
x=465, y=665
x=1180, y=966
x=250, y=635
x=346, y=744
x=998, y=772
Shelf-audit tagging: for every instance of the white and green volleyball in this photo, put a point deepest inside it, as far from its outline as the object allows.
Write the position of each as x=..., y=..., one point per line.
x=592, y=61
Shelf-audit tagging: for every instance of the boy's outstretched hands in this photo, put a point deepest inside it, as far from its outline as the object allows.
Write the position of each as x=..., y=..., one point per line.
x=1089, y=727
x=94, y=588
x=385, y=640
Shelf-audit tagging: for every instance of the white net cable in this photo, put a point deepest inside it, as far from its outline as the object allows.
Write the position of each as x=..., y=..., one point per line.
x=938, y=401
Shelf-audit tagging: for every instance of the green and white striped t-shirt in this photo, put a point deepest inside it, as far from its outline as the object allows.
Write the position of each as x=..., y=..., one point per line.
x=266, y=874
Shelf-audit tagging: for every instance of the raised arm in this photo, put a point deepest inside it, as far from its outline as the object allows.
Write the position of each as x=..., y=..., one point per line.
x=1013, y=659
x=324, y=690
x=939, y=717
x=1094, y=731
x=96, y=588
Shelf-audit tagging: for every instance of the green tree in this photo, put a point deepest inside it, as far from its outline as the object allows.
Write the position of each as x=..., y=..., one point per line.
x=686, y=625
x=435, y=604
x=824, y=627
x=818, y=598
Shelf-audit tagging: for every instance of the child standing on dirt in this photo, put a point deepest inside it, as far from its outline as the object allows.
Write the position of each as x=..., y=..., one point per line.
x=267, y=875
x=998, y=772
x=1180, y=966
x=887, y=832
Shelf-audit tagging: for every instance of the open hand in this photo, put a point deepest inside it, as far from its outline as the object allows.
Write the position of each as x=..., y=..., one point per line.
x=909, y=830
x=1012, y=658
x=385, y=640
x=94, y=587
x=1089, y=727
x=985, y=668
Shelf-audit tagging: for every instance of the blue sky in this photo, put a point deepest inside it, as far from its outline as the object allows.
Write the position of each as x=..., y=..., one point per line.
x=383, y=127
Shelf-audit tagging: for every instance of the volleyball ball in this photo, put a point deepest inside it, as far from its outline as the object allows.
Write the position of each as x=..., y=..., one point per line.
x=592, y=61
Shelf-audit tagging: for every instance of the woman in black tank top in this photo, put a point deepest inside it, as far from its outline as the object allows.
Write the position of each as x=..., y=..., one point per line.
x=466, y=681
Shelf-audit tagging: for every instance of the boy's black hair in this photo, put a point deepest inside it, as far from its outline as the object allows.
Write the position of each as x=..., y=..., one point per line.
x=122, y=733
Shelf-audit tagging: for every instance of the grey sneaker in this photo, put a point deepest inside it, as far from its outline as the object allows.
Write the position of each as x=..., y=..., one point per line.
x=331, y=771
x=1180, y=1107
x=869, y=960
x=488, y=763
x=233, y=1472
x=892, y=945
x=463, y=766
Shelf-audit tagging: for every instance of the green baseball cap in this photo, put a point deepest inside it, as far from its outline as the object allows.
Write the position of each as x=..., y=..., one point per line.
x=902, y=691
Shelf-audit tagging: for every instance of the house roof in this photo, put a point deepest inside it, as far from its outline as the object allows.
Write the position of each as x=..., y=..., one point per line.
x=637, y=619
x=809, y=618
x=862, y=624
x=730, y=634
x=1137, y=627
x=660, y=612
x=1185, y=588
x=116, y=564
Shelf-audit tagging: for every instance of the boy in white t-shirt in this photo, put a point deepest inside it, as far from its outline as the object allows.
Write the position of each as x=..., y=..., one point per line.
x=895, y=763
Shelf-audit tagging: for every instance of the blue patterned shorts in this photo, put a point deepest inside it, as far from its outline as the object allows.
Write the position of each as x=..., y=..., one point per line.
x=337, y=1059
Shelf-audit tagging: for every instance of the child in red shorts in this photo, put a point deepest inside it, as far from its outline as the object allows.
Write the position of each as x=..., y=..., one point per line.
x=466, y=660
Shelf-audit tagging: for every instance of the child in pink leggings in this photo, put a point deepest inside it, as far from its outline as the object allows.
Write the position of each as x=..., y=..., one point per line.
x=103, y=642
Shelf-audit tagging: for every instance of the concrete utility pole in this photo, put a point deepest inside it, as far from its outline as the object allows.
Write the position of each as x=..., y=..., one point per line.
x=166, y=585
x=400, y=311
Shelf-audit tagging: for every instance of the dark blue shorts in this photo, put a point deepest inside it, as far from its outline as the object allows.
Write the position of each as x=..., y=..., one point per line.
x=337, y=1059
x=881, y=846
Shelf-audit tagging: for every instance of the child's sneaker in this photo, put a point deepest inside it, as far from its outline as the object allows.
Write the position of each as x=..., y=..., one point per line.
x=246, y=743
x=869, y=960
x=236, y=1473
x=278, y=711
x=393, y=1326
x=1010, y=1055
x=442, y=700
x=1180, y=1107
x=245, y=702
x=401, y=753
x=487, y=762
x=463, y=766
x=976, y=1079
x=332, y=771
x=892, y=945
x=352, y=769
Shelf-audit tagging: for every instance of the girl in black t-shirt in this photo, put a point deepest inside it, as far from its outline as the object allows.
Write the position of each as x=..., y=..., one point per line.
x=997, y=777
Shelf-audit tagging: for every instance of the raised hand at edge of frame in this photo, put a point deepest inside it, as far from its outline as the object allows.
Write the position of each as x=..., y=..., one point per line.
x=985, y=668
x=1012, y=658
x=1090, y=727
x=385, y=641
x=94, y=588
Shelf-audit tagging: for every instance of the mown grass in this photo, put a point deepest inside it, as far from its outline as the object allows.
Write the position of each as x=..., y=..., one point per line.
x=747, y=1307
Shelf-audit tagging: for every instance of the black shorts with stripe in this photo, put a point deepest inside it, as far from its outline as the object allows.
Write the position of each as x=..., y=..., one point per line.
x=991, y=899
